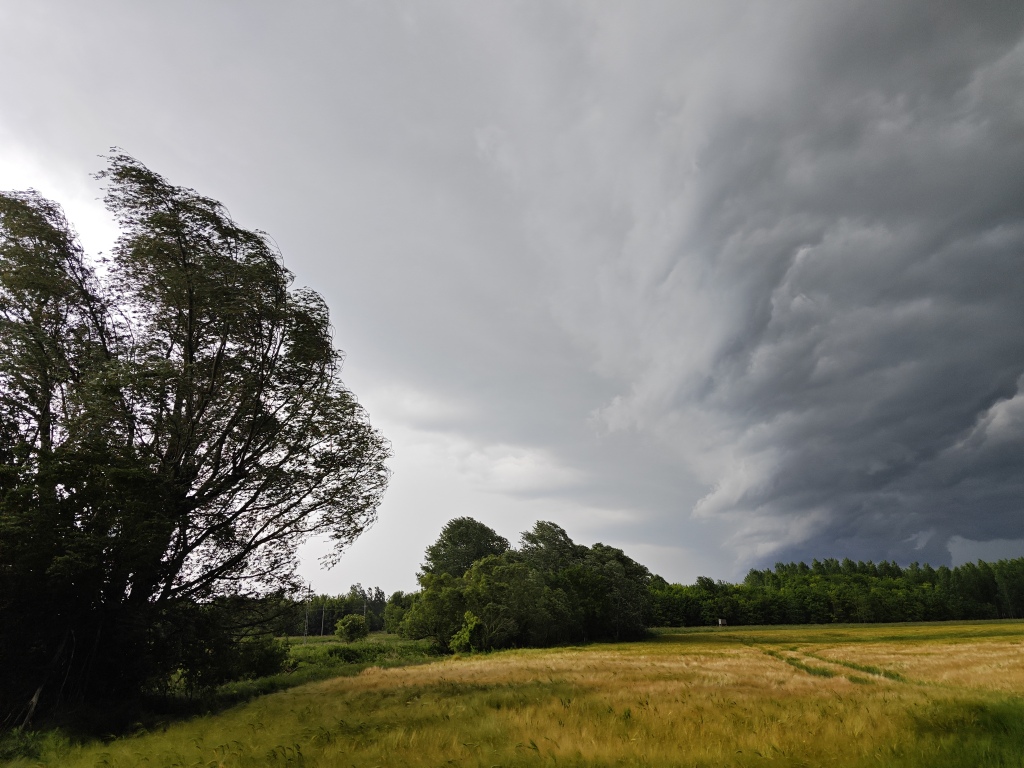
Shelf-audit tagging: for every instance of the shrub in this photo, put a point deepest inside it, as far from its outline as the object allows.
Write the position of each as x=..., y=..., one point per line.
x=352, y=627
x=462, y=641
x=261, y=656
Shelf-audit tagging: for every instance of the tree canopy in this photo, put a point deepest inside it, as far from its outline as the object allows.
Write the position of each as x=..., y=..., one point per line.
x=550, y=590
x=172, y=426
x=462, y=542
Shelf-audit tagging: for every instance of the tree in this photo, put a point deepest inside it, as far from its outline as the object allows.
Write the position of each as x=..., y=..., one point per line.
x=462, y=542
x=394, y=612
x=438, y=610
x=548, y=548
x=551, y=590
x=171, y=431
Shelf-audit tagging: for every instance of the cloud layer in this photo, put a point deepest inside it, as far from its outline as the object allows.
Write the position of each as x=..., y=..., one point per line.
x=723, y=283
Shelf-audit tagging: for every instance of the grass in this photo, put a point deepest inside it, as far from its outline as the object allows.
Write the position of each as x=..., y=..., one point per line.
x=871, y=670
x=693, y=697
x=322, y=657
x=310, y=659
x=798, y=664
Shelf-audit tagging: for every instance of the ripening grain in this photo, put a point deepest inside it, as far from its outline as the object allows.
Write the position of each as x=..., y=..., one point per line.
x=847, y=696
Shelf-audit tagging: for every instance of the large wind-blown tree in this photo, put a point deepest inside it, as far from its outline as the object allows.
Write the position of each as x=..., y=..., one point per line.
x=172, y=426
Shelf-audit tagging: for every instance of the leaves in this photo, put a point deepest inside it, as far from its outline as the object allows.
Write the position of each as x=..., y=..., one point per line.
x=462, y=542
x=550, y=590
x=172, y=431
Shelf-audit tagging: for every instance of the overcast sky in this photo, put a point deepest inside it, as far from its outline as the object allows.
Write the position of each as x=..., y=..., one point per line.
x=720, y=284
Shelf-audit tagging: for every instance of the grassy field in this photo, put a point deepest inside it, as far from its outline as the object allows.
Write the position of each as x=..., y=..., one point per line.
x=893, y=695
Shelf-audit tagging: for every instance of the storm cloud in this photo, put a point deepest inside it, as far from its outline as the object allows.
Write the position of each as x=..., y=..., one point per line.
x=861, y=228
x=720, y=284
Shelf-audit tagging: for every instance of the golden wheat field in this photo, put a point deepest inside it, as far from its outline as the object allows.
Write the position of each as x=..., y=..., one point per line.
x=894, y=695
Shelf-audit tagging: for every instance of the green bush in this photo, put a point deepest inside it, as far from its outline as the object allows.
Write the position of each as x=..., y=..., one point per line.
x=261, y=656
x=351, y=628
x=347, y=654
x=395, y=609
x=462, y=641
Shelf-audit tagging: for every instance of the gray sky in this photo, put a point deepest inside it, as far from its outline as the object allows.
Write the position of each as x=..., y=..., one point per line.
x=717, y=283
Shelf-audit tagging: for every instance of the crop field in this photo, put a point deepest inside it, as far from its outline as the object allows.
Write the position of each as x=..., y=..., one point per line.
x=891, y=695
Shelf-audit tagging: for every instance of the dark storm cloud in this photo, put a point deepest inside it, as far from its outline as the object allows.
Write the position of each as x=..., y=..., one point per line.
x=868, y=229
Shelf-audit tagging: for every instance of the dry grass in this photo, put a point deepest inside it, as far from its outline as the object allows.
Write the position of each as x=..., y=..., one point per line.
x=984, y=665
x=809, y=696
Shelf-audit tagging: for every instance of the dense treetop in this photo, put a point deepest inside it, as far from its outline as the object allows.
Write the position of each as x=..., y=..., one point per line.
x=462, y=542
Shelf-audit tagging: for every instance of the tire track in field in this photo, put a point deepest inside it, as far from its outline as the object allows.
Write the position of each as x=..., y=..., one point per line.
x=888, y=674
x=797, y=660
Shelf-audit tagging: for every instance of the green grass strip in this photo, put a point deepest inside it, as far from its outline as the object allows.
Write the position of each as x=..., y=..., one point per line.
x=797, y=664
x=871, y=670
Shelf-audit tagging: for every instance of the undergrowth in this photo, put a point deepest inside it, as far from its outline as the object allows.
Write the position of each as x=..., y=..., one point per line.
x=309, y=660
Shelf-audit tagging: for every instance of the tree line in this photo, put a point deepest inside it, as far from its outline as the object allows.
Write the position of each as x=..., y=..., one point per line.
x=478, y=593
x=829, y=591
x=318, y=615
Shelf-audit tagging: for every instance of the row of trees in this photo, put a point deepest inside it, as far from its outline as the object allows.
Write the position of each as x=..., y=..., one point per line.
x=477, y=593
x=830, y=591
x=319, y=614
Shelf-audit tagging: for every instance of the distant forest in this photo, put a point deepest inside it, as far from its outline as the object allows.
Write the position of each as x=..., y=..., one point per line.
x=479, y=594
x=832, y=591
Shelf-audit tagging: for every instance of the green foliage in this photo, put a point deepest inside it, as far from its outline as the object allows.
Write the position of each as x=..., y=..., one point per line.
x=328, y=653
x=830, y=591
x=462, y=542
x=549, y=591
x=437, y=612
x=260, y=656
x=193, y=635
x=32, y=745
x=318, y=614
x=394, y=612
x=463, y=640
x=168, y=432
x=351, y=628
x=218, y=659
